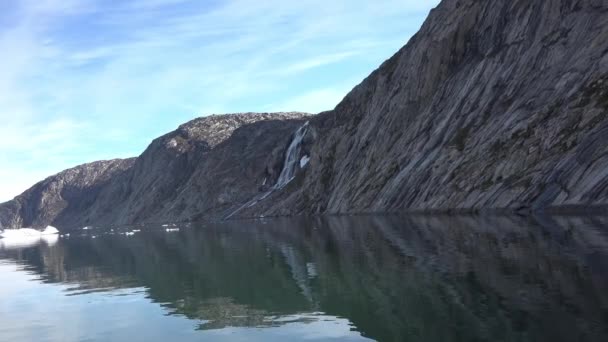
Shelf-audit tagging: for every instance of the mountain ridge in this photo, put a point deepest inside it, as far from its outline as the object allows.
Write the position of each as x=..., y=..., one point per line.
x=151, y=186
x=492, y=105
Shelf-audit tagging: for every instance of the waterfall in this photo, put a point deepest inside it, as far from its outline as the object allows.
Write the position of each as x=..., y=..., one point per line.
x=288, y=173
x=290, y=165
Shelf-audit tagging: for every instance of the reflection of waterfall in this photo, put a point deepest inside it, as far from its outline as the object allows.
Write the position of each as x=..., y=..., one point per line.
x=300, y=271
x=288, y=173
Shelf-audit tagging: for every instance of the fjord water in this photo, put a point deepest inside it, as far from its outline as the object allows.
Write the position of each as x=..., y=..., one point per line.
x=392, y=278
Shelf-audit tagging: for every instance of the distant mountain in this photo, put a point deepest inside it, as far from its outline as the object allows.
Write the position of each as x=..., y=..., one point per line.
x=496, y=104
x=199, y=171
x=63, y=198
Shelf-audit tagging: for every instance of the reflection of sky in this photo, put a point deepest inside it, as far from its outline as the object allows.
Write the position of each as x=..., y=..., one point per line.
x=33, y=311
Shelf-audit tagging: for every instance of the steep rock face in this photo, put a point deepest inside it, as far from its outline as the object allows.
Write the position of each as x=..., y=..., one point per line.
x=201, y=170
x=493, y=104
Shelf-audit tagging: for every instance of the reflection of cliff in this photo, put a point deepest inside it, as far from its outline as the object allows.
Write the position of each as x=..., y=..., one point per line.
x=494, y=278
x=395, y=278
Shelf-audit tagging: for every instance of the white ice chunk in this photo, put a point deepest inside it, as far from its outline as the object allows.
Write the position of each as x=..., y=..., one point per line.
x=50, y=230
x=26, y=242
x=27, y=232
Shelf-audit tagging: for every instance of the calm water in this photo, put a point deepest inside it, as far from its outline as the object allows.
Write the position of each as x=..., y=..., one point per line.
x=358, y=278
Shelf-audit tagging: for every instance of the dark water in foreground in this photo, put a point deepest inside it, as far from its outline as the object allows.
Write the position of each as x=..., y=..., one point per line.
x=356, y=278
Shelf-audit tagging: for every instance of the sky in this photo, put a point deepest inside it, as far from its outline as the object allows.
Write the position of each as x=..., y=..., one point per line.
x=86, y=80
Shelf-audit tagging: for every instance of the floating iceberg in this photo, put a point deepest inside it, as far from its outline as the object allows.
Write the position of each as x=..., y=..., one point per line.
x=27, y=237
x=28, y=233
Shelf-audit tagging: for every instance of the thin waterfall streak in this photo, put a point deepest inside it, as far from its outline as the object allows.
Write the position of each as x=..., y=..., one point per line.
x=288, y=173
x=290, y=165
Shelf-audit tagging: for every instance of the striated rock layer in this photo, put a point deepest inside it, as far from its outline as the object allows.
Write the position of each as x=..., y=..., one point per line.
x=494, y=104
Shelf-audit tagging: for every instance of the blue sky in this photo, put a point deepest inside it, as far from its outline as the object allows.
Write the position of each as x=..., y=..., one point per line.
x=83, y=80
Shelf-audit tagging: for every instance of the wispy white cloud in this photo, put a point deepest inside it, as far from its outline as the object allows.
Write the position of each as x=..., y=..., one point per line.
x=82, y=80
x=315, y=62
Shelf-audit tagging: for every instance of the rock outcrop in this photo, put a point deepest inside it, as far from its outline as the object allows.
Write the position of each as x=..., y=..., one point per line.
x=494, y=104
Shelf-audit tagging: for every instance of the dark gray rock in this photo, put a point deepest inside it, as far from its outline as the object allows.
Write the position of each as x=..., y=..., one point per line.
x=199, y=170
x=493, y=104
x=62, y=199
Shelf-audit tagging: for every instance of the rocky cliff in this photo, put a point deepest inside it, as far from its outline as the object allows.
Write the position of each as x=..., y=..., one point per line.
x=494, y=104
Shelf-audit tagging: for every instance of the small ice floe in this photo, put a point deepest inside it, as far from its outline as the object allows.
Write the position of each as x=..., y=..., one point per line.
x=172, y=230
x=136, y=230
x=28, y=232
x=86, y=228
x=129, y=233
x=93, y=237
x=26, y=242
